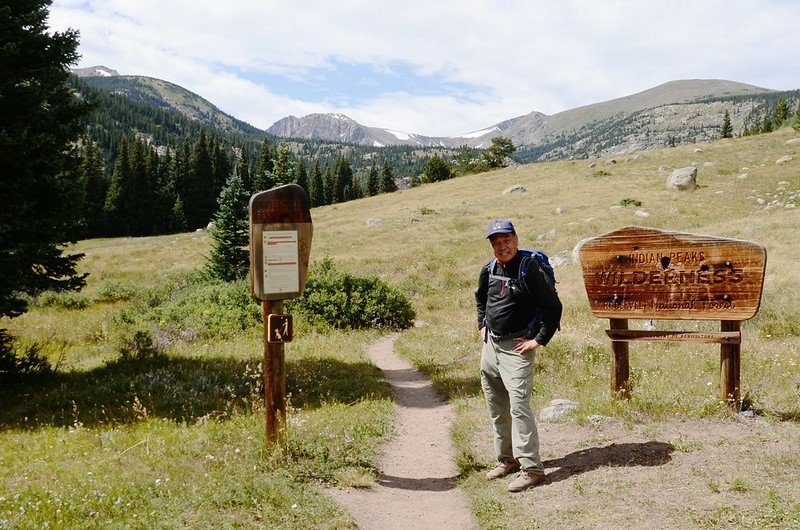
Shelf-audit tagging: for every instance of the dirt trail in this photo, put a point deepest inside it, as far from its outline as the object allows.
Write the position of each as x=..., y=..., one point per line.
x=417, y=484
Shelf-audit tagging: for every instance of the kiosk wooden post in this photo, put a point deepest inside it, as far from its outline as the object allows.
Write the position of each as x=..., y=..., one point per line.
x=280, y=248
x=654, y=274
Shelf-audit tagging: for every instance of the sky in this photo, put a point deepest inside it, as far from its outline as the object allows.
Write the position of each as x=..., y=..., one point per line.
x=433, y=67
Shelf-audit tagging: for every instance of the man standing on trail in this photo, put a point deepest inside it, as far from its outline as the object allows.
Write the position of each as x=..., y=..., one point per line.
x=517, y=313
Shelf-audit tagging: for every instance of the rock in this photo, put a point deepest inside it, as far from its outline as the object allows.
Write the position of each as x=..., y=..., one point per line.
x=372, y=221
x=557, y=409
x=560, y=259
x=684, y=178
x=518, y=188
x=793, y=141
x=576, y=250
x=550, y=234
x=784, y=159
x=642, y=213
x=559, y=210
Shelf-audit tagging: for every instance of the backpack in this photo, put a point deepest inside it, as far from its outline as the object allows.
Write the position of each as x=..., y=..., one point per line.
x=527, y=254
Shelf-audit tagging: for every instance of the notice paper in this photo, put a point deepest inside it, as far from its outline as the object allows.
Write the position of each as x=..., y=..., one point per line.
x=281, y=264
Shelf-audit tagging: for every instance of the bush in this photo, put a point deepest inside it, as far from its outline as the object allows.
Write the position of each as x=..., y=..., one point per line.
x=631, y=202
x=16, y=362
x=345, y=301
x=191, y=307
x=115, y=292
x=64, y=300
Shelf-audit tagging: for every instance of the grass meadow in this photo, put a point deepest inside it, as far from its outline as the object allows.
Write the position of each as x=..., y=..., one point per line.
x=153, y=417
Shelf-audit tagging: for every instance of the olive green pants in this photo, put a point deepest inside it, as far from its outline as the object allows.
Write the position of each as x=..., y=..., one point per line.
x=507, y=381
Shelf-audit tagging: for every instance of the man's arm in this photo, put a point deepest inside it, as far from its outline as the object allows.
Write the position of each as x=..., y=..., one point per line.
x=481, y=295
x=546, y=299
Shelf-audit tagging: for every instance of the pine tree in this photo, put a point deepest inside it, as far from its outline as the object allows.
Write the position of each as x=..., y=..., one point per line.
x=766, y=125
x=388, y=185
x=796, y=121
x=344, y=187
x=780, y=113
x=316, y=192
x=39, y=131
x=139, y=206
x=727, y=130
x=373, y=183
x=497, y=153
x=302, y=175
x=262, y=174
x=229, y=259
x=283, y=165
x=243, y=170
x=199, y=201
x=119, y=195
x=221, y=166
x=94, y=187
x=436, y=170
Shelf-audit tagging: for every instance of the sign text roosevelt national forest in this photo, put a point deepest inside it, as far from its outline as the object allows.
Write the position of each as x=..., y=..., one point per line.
x=639, y=272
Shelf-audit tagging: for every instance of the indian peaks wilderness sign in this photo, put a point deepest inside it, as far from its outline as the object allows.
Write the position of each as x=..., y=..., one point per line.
x=646, y=273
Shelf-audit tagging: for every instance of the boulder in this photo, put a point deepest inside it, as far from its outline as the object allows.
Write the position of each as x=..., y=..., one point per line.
x=518, y=188
x=684, y=178
x=557, y=409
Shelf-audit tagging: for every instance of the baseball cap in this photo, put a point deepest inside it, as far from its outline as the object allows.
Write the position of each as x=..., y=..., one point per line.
x=500, y=226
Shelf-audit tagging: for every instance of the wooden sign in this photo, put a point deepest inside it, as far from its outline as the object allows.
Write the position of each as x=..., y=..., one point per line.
x=280, y=242
x=654, y=274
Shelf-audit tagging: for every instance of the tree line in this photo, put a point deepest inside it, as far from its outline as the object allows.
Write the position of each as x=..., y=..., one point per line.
x=148, y=193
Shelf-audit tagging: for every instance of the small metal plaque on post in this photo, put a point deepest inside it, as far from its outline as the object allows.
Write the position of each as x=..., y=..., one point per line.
x=279, y=328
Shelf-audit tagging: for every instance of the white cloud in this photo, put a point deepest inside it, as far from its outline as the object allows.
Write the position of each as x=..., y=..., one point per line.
x=490, y=61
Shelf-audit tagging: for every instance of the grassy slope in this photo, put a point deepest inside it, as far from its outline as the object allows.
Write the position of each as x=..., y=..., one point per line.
x=431, y=244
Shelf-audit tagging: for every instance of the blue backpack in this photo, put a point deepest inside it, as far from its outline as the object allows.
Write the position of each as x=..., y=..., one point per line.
x=527, y=254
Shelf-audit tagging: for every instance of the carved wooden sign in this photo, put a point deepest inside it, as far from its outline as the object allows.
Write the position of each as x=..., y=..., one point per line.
x=646, y=273
x=280, y=242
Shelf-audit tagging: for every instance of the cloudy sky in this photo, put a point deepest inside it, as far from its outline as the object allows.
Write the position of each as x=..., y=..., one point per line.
x=433, y=67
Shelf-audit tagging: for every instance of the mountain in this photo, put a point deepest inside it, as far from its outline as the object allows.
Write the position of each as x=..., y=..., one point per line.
x=674, y=113
x=166, y=95
x=677, y=112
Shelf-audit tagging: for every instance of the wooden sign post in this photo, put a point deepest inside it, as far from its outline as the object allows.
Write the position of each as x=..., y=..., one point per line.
x=654, y=274
x=280, y=248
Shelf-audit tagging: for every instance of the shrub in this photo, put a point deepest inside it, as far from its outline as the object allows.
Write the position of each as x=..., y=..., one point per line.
x=630, y=202
x=345, y=301
x=114, y=292
x=192, y=307
x=64, y=300
x=15, y=362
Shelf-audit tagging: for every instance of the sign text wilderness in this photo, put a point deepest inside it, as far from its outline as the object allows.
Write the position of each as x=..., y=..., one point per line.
x=647, y=273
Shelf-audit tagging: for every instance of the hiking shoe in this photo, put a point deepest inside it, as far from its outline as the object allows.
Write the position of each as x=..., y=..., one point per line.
x=525, y=480
x=503, y=468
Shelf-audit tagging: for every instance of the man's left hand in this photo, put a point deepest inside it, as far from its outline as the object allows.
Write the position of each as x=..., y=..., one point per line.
x=525, y=345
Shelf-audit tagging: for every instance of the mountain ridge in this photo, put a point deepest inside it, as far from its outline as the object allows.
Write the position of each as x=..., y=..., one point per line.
x=673, y=113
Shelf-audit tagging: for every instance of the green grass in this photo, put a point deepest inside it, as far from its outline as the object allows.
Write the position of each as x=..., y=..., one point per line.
x=171, y=433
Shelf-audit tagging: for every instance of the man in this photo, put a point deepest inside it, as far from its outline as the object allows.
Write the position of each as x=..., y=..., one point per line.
x=515, y=317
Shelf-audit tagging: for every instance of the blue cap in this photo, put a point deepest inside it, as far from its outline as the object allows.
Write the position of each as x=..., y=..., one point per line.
x=500, y=226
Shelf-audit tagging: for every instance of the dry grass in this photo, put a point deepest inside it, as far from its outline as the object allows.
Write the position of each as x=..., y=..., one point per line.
x=430, y=243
